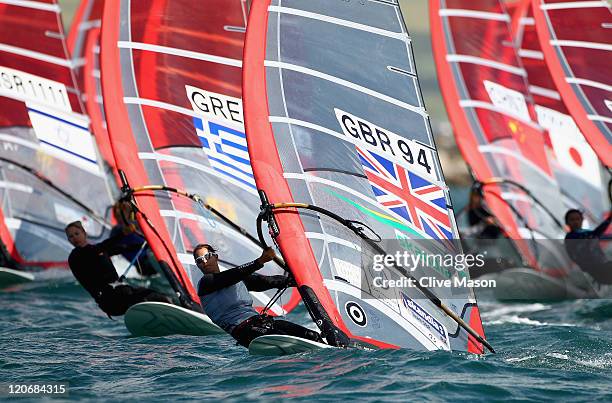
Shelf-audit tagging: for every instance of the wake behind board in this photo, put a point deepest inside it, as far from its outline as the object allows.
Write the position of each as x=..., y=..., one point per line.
x=277, y=344
x=160, y=319
x=10, y=277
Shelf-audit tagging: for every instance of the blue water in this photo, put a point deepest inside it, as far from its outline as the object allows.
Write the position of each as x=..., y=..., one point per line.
x=52, y=332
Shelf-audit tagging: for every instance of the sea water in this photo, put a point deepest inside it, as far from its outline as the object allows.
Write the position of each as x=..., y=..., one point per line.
x=51, y=331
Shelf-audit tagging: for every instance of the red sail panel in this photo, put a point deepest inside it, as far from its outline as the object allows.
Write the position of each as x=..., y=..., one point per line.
x=575, y=39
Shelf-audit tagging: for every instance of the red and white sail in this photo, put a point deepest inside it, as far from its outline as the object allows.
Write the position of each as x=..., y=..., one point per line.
x=574, y=163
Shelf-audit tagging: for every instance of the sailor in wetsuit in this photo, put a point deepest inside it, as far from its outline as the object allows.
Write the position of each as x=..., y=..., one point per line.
x=481, y=221
x=584, y=249
x=226, y=300
x=126, y=232
x=94, y=270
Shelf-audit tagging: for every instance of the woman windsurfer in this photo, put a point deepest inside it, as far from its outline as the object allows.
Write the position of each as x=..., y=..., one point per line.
x=94, y=270
x=226, y=300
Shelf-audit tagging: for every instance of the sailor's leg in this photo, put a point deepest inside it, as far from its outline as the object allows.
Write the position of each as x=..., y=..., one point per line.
x=251, y=329
x=136, y=295
x=292, y=329
x=602, y=272
x=114, y=302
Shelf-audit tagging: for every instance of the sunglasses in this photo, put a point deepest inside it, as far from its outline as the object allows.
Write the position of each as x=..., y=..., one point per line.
x=205, y=257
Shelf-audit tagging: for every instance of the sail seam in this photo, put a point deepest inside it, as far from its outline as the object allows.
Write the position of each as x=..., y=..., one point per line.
x=36, y=55
x=589, y=83
x=160, y=105
x=32, y=4
x=574, y=4
x=483, y=15
x=544, y=92
x=581, y=44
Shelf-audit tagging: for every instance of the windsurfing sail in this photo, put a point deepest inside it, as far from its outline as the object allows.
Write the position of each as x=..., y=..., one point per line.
x=171, y=80
x=50, y=169
x=335, y=120
x=581, y=178
x=577, y=45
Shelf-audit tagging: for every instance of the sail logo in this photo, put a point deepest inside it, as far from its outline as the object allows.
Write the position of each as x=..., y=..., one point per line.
x=407, y=153
x=221, y=108
x=572, y=151
x=356, y=313
x=509, y=101
x=427, y=319
x=221, y=132
x=410, y=196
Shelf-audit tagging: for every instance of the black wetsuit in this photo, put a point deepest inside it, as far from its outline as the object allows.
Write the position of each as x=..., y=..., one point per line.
x=6, y=260
x=583, y=248
x=226, y=301
x=133, y=242
x=478, y=216
x=93, y=268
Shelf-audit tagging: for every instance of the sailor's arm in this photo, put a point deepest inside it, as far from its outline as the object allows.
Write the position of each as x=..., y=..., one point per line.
x=601, y=228
x=212, y=282
x=114, y=246
x=257, y=282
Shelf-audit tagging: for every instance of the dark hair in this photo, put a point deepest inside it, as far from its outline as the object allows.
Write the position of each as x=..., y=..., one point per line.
x=570, y=212
x=76, y=224
x=202, y=246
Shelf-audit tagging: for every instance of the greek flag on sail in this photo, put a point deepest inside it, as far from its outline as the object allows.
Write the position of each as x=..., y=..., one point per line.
x=227, y=151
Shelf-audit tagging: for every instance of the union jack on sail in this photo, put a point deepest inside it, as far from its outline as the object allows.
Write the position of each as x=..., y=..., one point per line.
x=415, y=199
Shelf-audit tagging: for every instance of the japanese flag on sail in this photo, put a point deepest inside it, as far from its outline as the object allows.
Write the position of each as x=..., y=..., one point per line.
x=412, y=197
x=569, y=145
